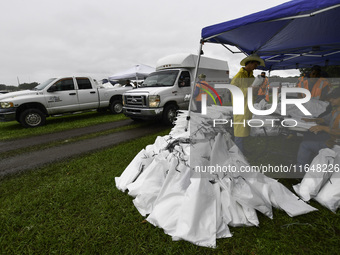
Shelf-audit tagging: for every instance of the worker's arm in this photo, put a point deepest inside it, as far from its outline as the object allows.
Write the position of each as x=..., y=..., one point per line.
x=316, y=120
x=331, y=131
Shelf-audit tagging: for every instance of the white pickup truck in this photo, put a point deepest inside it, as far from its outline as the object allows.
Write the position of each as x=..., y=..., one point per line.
x=59, y=96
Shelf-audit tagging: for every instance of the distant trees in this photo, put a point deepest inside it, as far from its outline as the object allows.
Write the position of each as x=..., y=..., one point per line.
x=329, y=71
x=290, y=79
x=8, y=88
x=22, y=86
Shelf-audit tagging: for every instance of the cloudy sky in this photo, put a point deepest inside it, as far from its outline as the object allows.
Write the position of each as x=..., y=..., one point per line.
x=47, y=38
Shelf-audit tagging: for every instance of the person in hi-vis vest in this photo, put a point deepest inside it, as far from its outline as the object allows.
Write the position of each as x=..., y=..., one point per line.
x=318, y=86
x=200, y=88
x=326, y=130
x=261, y=94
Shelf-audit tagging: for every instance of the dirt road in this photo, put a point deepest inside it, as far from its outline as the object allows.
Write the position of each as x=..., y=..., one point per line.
x=31, y=160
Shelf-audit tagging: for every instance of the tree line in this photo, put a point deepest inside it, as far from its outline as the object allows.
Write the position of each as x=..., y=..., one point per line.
x=22, y=86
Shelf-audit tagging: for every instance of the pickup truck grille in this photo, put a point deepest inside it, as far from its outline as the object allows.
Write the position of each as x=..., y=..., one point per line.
x=136, y=101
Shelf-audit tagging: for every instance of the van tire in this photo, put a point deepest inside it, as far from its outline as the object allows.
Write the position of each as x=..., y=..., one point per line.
x=116, y=107
x=31, y=118
x=169, y=114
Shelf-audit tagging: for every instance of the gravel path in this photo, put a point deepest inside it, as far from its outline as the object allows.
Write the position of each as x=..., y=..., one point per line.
x=36, y=159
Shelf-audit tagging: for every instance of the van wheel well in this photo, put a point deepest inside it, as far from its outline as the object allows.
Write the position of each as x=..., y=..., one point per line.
x=169, y=113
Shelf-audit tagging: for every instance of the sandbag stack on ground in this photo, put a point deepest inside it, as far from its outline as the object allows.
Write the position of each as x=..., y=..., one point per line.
x=322, y=179
x=197, y=205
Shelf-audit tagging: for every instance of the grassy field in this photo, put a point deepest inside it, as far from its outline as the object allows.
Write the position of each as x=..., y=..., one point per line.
x=13, y=130
x=73, y=207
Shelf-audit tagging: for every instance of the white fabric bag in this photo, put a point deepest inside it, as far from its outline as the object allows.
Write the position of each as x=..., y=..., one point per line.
x=329, y=195
x=314, y=179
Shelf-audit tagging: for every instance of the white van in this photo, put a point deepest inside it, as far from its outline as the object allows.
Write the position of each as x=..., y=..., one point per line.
x=168, y=89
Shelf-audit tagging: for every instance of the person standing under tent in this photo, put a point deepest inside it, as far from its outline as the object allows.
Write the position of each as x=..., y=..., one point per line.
x=327, y=135
x=316, y=84
x=244, y=79
x=200, y=89
x=299, y=83
x=261, y=94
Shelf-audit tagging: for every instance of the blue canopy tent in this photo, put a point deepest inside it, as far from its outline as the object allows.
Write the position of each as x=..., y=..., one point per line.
x=296, y=34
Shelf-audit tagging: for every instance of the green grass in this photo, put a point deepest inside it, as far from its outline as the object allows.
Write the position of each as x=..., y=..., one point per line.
x=73, y=207
x=70, y=140
x=13, y=130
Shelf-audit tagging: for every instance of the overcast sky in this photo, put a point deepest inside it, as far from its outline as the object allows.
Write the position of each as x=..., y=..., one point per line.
x=47, y=38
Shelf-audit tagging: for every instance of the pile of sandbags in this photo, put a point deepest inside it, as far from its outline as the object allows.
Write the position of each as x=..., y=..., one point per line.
x=176, y=185
x=322, y=179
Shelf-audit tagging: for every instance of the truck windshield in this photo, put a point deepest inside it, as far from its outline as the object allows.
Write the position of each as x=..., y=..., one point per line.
x=44, y=84
x=161, y=79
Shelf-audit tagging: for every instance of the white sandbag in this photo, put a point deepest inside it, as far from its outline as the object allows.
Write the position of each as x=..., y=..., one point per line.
x=329, y=195
x=202, y=148
x=287, y=201
x=197, y=217
x=314, y=106
x=249, y=197
x=232, y=212
x=166, y=211
x=136, y=187
x=250, y=214
x=226, y=158
x=222, y=229
x=315, y=177
x=151, y=187
x=159, y=145
x=262, y=105
x=218, y=156
x=265, y=131
x=132, y=171
x=262, y=185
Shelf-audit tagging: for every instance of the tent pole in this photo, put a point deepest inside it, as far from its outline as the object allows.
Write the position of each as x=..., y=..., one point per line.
x=193, y=83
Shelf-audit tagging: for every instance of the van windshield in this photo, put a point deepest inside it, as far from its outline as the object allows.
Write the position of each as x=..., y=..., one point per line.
x=161, y=79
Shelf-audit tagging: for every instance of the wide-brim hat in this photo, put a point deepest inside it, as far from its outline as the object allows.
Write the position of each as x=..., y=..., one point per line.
x=252, y=57
x=202, y=76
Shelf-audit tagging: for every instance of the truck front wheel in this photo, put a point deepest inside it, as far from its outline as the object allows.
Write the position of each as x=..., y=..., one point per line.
x=116, y=107
x=169, y=114
x=32, y=118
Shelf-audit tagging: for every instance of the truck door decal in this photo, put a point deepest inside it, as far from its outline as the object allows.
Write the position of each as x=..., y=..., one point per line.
x=54, y=99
